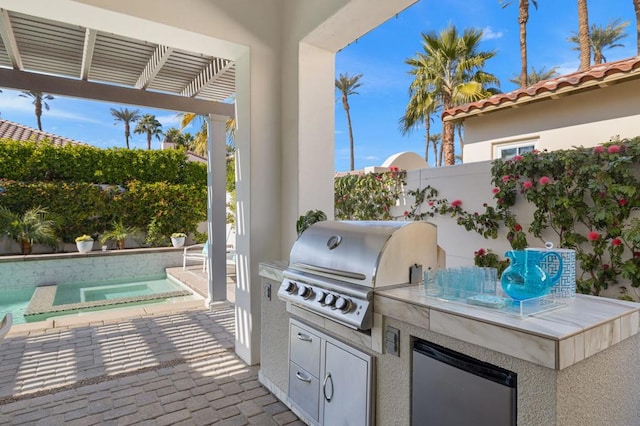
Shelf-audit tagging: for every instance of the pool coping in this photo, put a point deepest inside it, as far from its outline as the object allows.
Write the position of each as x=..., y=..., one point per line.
x=106, y=317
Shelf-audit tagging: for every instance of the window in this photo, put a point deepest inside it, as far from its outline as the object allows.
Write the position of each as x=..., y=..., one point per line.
x=507, y=151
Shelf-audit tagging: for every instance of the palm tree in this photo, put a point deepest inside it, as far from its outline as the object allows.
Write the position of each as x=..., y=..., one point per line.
x=602, y=38
x=419, y=110
x=583, y=35
x=636, y=8
x=450, y=71
x=523, y=18
x=151, y=126
x=126, y=116
x=535, y=76
x=199, y=142
x=435, y=140
x=347, y=85
x=39, y=100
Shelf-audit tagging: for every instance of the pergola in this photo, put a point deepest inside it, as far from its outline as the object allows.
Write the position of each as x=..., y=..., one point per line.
x=277, y=56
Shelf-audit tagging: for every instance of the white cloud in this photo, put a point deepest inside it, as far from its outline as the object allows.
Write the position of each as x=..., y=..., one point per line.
x=489, y=34
x=169, y=120
x=371, y=158
x=20, y=105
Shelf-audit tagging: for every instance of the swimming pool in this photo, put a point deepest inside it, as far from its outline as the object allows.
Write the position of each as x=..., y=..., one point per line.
x=69, y=298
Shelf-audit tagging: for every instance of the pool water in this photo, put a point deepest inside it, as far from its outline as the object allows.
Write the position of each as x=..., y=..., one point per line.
x=15, y=301
x=91, y=294
x=113, y=289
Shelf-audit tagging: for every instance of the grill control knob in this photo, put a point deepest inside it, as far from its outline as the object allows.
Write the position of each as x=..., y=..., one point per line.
x=329, y=299
x=323, y=297
x=344, y=304
x=305, y=292
x=291, y=287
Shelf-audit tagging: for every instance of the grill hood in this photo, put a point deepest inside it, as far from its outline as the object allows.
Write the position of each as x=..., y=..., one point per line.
x=365, y=253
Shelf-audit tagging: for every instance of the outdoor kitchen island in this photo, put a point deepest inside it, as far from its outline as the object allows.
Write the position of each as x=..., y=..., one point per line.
x=576, y=365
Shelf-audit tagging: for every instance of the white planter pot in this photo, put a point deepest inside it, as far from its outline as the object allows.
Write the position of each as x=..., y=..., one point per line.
x=84, y=246
x=177, y=242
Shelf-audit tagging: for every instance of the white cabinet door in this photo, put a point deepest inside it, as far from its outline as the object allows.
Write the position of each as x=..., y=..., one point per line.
x=345, y=388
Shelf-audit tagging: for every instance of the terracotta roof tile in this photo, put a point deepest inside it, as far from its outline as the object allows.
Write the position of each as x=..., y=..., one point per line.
x=596, y=74
x=19, y=132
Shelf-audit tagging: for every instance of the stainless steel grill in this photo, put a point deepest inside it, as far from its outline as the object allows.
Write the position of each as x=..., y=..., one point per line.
x=334, y=266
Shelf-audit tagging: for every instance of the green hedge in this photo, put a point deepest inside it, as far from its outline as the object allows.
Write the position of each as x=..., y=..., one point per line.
x=84, y=208
x=43, y=161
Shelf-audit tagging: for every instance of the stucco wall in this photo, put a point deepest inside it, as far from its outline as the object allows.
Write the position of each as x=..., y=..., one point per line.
x=586, y=119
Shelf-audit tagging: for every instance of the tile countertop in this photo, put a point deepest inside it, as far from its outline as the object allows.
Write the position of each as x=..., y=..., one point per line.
x=555, y=339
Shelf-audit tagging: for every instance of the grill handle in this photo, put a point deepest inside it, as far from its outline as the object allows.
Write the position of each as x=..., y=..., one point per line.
x=304, y=337
x=303, y=378
x=338, y=272
x=324, y=387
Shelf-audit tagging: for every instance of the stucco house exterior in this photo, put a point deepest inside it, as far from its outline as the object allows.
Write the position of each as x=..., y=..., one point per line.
x=585, y=108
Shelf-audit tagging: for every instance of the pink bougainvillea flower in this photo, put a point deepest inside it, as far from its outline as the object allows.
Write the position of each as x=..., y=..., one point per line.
x=598, y=149
x=480, y=252
x=517, y=157
x=505, y=178
x=456, y=203
x=393, y=169
x=495, y=190
x=544, y=180
x=622, y=202
x=593, y=236
x=616, y=242
x=527, y=184
x=406, y=213
x=605, y=266
x=431, y=203
x=517, y=227
x=613, y=149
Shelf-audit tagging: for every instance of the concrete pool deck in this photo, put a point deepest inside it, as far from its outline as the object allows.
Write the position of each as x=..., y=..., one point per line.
x=157, y=368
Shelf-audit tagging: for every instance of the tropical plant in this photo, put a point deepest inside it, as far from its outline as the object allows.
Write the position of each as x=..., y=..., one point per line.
x=32, y=227
x=174, y=136
x=308, y=219
x=39, y=101
x=198, y=143
x=119, y=233
x=347, y=86
x=84, y=237
x=127, y=117
x=583, y=35
x=436, y=141
x=536, y=76
x=419, y=110
x=602, y=38
x=523, y=18
x=149, y=125
x=450, y=72
x=178, y=235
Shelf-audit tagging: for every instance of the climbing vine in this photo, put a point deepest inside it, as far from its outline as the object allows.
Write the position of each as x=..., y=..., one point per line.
x=587, y=197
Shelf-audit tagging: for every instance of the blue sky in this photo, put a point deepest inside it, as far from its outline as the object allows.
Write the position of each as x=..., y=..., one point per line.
x=379, y=56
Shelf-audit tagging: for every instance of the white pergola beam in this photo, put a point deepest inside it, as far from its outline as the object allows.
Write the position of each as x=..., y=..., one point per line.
x=87, y=52
x=22, y=80
x=153, y=67
x=207, y=76
x=9, y=40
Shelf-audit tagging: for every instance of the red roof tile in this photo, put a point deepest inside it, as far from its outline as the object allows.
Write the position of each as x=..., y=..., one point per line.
x=19, y=132
x=595, y=75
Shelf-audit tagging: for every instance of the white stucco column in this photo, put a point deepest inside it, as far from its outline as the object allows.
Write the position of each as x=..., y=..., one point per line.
x=216, y=208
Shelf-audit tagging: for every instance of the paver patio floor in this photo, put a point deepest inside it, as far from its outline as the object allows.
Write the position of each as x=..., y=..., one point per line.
x=169, y=369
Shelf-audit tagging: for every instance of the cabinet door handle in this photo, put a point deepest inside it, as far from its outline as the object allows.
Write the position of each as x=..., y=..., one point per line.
x=304, y=337
x=302, y=378
x=326, y=381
